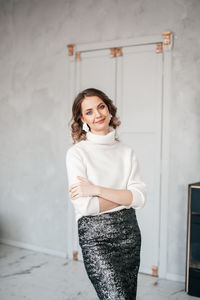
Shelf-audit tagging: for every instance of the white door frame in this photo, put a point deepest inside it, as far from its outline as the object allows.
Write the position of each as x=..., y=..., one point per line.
x=166, y=42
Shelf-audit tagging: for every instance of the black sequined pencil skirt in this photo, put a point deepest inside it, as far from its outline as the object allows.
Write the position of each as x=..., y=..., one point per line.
x=110, y=245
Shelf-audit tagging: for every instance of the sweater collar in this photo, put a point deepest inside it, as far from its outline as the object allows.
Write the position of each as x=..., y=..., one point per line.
x=109, y=138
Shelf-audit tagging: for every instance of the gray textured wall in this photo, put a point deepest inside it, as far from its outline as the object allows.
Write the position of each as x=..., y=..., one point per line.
x=34, y=107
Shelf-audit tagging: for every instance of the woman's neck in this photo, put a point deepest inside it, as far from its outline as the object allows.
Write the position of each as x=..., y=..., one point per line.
x=103, y=132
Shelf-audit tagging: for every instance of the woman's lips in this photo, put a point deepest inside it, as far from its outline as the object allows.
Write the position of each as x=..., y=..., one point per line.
x=101, y=121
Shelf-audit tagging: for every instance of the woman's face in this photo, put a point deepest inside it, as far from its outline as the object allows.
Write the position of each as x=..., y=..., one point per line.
x=94, y=110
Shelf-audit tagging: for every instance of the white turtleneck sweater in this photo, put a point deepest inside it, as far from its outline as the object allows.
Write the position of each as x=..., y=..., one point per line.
x=108, y=163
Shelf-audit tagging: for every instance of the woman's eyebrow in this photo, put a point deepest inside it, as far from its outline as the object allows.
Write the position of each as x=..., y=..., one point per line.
x=91, y=108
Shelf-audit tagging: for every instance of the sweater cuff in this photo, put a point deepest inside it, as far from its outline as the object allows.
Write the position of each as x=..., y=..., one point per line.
x=93, y=206
x=138, y=199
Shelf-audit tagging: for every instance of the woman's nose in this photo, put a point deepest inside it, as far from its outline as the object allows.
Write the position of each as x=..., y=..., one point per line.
x=97, y=113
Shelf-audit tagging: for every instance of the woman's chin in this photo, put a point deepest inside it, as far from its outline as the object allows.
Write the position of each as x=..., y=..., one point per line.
x=102, y=127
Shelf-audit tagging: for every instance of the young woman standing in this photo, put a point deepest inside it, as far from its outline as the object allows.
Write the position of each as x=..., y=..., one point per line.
x=105, y=188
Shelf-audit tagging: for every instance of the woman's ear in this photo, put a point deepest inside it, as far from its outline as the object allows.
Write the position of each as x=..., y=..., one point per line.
x=82, y=119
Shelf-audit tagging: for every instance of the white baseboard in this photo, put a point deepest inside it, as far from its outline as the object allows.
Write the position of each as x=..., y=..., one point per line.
x=175, y=277
x=33, y=248
x=169, y=276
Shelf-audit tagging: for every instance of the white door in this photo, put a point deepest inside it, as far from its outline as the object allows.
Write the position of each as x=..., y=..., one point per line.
x=134, y=82
x=139, y=102
x=98, y=70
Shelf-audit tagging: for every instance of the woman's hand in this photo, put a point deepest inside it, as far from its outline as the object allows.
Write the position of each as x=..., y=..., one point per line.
x=83, y=188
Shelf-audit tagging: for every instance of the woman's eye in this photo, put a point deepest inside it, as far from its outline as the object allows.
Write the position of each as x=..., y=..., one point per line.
x=102, y=106
x=87, y=113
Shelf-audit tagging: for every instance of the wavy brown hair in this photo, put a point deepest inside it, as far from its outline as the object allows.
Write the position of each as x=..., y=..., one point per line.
x=76, y=124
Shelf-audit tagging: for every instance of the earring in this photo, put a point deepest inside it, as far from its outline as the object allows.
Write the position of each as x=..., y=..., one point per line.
x=85, y=127
x=110, y=116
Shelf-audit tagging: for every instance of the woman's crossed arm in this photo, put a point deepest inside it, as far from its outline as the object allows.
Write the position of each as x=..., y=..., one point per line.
x=108, y=198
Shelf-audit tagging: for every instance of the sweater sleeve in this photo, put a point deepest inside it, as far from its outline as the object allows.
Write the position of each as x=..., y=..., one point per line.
x=75, y=167
x=136, y=184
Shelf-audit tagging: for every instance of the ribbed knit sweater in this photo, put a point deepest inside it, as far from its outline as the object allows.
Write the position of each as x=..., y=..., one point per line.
x=105, y=162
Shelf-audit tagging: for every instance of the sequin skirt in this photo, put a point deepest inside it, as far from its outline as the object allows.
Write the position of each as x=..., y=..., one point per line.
x=110, y=245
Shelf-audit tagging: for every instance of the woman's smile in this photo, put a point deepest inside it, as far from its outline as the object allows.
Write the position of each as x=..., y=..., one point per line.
x=101, y=121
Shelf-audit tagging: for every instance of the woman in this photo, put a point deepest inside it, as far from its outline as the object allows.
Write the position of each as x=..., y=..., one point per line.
x=105, y=188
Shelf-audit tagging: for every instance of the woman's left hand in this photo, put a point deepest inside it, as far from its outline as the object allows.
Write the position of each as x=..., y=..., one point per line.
x=83, y=188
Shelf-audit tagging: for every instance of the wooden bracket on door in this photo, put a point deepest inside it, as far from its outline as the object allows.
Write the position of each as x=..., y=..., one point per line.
x=167, y=40
x=159, y=48
x=155, y=271
x=70, y=49
x=75, y=255
x=119, y=51
x=112, y=52
x=115, y=52
x=78, y=56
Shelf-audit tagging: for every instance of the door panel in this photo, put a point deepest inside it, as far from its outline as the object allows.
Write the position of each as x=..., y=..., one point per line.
x=139, y=102
x=95, y=69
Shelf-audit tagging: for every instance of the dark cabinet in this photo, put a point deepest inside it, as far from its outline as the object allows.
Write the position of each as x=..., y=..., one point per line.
x=192, y=282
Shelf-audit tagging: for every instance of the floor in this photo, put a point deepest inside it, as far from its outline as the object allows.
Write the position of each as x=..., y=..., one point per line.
x=26, y=274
